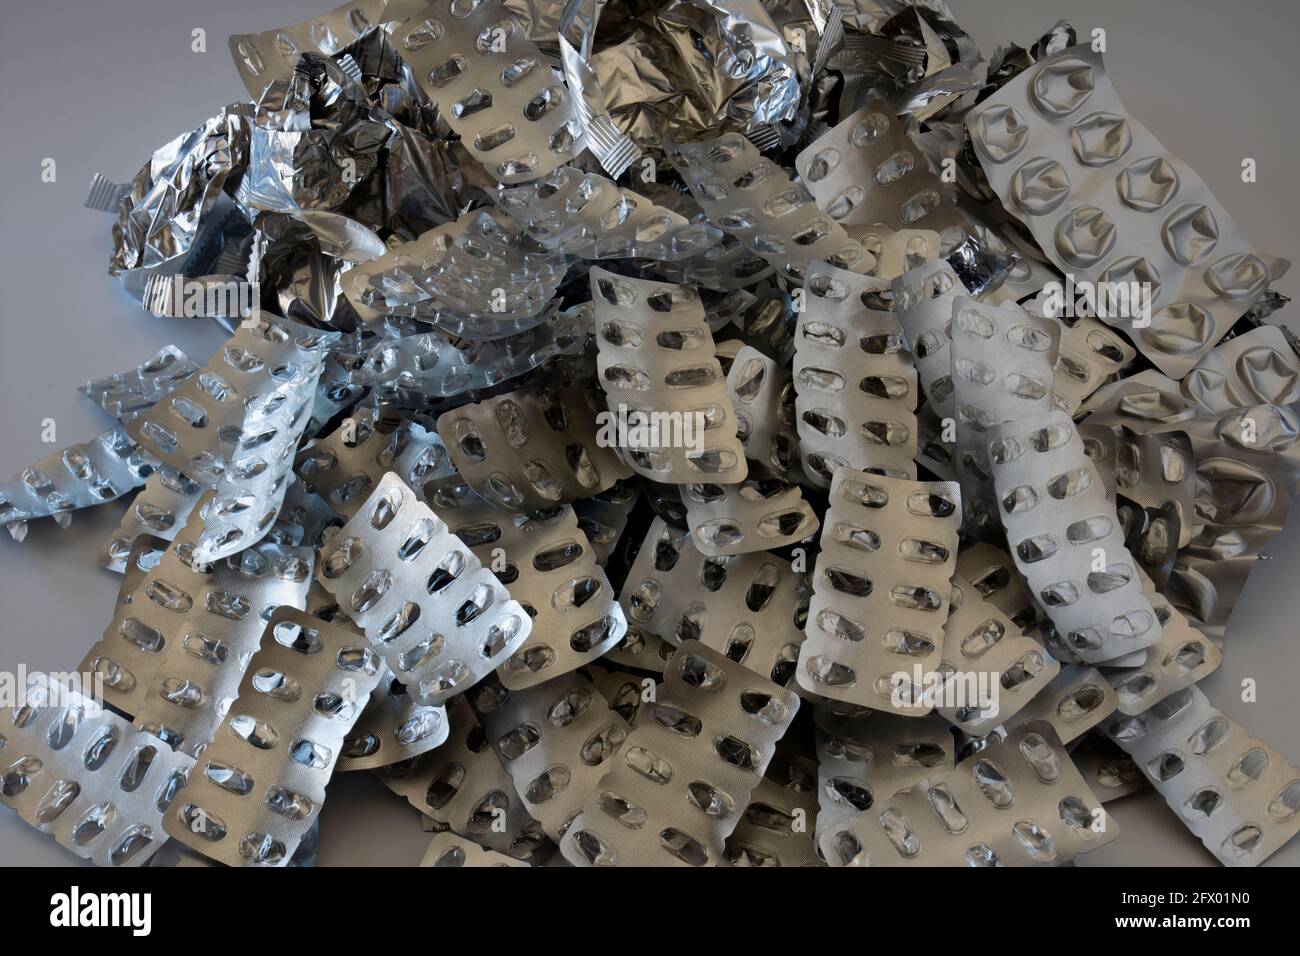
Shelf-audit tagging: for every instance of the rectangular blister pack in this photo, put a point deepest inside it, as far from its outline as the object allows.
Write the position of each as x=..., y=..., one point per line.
x=1236, y=793
x=124, y=395
x=551, y=570
x=161, y=508
x=531, y=448
x=923, y=303
x=440, y=619
x=755, y=200
x=880, y=591
x=258, y=788
x=85, y=776
x=196, y=619
x=1108, y=204
x=1017, y=802
x=776, y=827
x=494, y=87
x=762, y=396
x=854, y=381
x=1065, y=538
x=555, y=739
x=1077, y=699
x=657, y=366
x=683, y=779
x=755, y=515
x=750, y=607
x=262, y=58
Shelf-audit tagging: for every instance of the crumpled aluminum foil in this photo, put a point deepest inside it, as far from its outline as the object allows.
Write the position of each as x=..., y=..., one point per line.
x=454, y=245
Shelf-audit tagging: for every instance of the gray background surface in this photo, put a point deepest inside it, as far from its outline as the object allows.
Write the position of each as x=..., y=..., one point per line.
x=99, y=85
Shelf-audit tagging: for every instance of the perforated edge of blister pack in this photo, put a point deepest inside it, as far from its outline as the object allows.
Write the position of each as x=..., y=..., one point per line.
x=528, y=449
x=688, y=770
x=440, y=619
x=854, y=380
x=1233, y=791
x=656, y=358
x=1066, y=540
x=495, y=88
x=258, y=787
x=1062, y=118
x=880, y=591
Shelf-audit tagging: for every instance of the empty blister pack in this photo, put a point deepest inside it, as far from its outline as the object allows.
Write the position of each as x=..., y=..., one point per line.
x=1018, y=802
x=124, y=395
x=1066, y=540
x=1077, y=699
x=854, y=380
x=344, y=467
x=259, y=786
x=532, y=448
x=447, y=850
x=462, y=786
x=551, y=570
x=1109, y=772
x=1155, y=470
x=161, y=508
x=776, y=828
x=1002, y=361
x=998, y=668
x=236, y=424
x=755, y=515
x=76, y=477
x=750, y=607
x=755, y=200
x=866, y=170
x=1258, y=367
x=762, y=395
x=604, y=517
x=923, y=303
x=439, y=618
x=556, y=741
x=586, y=215
x=1110, y=206
x=1236, y=793
x=494, y=87
x=393, y=727
x=897, y=251
x=262, y=58
x=681, y=783
x=880, y=591
x=1089, y=354
x=86, y=777
x=185, y=610
x=665, y=388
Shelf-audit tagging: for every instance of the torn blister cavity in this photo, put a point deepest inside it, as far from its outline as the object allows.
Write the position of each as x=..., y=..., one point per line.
x=124, y=395
x=344, y=467
x=587, y=216
x=512, y=110
x=754, y=200
x=681, y=783
x=1065, y=538
x=982, y=647
x=79, y=476
x=1235, y=792
x=533, y=448
x=462, y=787
x=763, y=398
x=551, y=570
x=866, y=170
x=84, y=776
x=555, y=739
x=258, y=787
x=440, y=619
x=755, y=515
x=750, y=607
x=262, y=58
x=965, y=817
x=669, y=413
x=881, y=591
x=854, y=381
x=1110, y=207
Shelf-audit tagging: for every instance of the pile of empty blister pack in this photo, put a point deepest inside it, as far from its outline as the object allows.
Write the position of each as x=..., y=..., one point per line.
x=693, y=432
